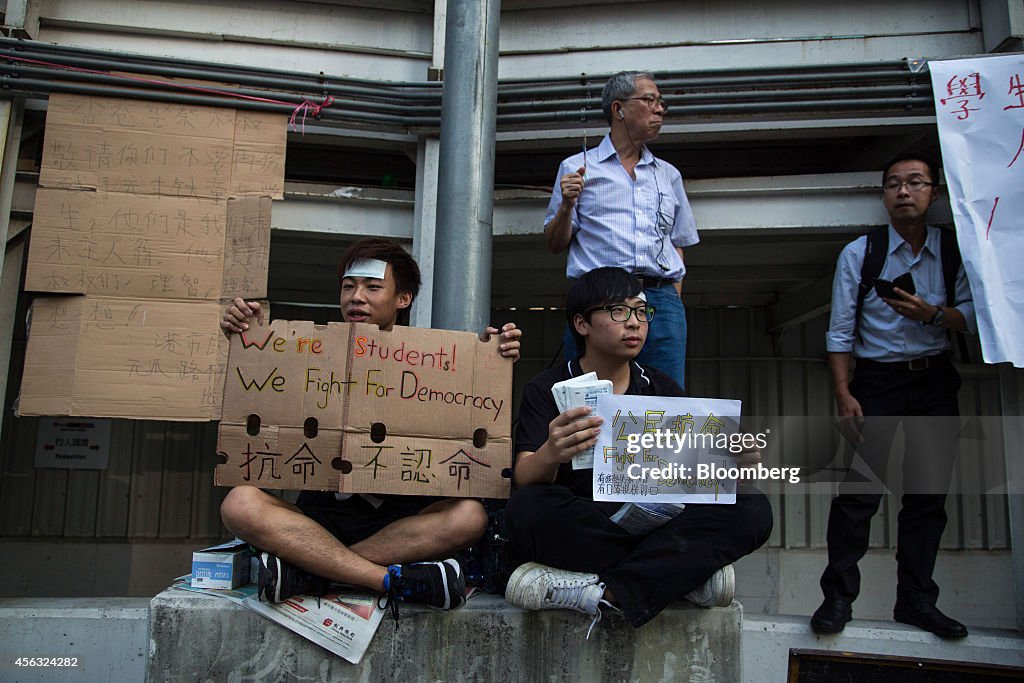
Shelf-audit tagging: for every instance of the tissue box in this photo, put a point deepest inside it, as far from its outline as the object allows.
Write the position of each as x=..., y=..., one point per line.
x=222, y=566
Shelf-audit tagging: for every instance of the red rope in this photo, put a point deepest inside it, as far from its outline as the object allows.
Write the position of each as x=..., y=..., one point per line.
x=310, y=108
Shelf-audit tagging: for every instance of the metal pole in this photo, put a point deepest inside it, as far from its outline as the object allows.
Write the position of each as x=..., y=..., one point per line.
x=424, y=229
x=465, y=193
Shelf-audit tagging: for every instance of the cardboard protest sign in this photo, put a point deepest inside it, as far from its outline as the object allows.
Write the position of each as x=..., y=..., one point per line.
x=136, y=147
x=665, y=449
x=154, y=207
x=353, y=409
x=109, y=357
x=157, y=247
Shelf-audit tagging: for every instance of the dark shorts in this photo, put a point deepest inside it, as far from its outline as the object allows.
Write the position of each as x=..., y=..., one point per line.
x=355, y=519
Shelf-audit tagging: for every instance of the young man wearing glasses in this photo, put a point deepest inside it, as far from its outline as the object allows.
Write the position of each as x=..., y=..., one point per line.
x=574, y=556
x=903, y=374
x=618, y=205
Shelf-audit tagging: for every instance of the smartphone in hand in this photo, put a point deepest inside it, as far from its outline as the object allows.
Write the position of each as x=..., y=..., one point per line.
x=885, y=288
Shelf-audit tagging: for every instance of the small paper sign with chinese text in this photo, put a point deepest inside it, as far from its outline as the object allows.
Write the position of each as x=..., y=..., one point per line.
x=665, y=449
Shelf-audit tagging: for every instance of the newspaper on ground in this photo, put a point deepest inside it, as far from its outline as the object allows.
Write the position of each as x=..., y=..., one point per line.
x=342, y=622
x=581, y=391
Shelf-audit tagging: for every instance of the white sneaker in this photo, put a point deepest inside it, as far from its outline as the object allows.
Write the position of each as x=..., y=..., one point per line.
x=718, y=591
x=535, y=586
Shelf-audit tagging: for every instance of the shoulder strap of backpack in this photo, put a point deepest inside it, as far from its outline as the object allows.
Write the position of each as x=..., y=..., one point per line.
x=951, y=261
x=874, y=258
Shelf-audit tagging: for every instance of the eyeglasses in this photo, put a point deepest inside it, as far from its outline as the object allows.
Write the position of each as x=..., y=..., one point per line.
x=620, y=312
x=913, y=185
x=652, y=101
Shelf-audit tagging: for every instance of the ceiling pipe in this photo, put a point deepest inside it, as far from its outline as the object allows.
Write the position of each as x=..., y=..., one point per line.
x=403, y=106
x=172, y=63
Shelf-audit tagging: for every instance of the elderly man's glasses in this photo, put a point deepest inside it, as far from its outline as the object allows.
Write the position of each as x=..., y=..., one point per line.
x=652, y=101
x=620, y=312
x=913, y=185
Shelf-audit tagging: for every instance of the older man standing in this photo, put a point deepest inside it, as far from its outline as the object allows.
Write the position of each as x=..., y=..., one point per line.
x=619, y=205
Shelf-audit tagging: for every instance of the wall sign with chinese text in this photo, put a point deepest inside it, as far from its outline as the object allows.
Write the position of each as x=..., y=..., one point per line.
x=77, y=443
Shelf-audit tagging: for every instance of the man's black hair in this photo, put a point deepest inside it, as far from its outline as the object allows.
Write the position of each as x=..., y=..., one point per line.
x=599, y=287
x=933, y=166
x=403, y=266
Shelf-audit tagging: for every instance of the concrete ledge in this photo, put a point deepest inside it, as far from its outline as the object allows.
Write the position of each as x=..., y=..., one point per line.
x=198, y=637
x=107, y=635
x=768, y=638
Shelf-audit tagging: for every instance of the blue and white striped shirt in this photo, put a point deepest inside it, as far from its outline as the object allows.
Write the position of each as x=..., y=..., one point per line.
x=885, y=335
x=618, y=221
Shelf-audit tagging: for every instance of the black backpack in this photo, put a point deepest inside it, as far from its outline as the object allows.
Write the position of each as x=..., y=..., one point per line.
x=874, y=260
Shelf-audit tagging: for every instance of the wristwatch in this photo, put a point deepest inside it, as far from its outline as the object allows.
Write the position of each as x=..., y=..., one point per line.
x=938, y=318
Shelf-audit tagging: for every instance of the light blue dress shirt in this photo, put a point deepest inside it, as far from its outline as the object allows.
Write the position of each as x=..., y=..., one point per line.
x=885, y=335
x=618, y=221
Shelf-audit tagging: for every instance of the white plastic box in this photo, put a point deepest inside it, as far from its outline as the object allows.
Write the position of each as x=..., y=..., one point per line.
x=222, y=566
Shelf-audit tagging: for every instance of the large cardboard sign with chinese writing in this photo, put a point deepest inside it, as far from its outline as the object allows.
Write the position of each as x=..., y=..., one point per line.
x=111, y=244
x=666, y=449
x=110, y=357
x=353, y=409
x=136, y=147
x=152, y=213
x=979, y=108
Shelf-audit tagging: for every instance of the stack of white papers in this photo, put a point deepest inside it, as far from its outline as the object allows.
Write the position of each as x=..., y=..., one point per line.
x=581, y=391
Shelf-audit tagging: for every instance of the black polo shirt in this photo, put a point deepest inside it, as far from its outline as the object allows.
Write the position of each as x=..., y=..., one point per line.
x=538, y=409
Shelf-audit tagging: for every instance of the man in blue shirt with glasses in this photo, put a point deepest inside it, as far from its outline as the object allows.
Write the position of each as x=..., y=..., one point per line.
x=619, y=205
x=903, y=375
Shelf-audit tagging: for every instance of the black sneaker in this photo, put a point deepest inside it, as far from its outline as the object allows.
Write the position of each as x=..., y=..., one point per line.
x=279, y=580
x=438, y=584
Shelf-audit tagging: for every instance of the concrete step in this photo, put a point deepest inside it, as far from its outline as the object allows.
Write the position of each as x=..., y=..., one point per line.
x=106, y=637
x=199, y=637
x=768, y=638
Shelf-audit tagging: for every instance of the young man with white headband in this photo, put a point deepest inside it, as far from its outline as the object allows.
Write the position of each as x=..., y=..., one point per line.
x=379, y=542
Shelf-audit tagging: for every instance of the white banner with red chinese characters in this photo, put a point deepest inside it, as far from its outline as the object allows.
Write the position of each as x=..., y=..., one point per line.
x=979, y=105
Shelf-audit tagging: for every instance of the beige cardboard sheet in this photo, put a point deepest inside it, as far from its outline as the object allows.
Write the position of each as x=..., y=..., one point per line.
x=350, y=408
x=144, y=207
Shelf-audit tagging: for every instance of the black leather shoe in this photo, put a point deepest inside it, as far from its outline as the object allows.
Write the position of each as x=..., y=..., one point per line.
x=928, y=617
x=832, y=616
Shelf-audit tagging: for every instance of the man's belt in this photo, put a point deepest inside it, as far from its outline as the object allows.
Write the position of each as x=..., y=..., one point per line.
x=654, y=282
x=645, y=282
x=913, y=365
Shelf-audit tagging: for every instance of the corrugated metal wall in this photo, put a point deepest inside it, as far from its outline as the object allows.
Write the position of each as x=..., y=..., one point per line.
x=159, y=481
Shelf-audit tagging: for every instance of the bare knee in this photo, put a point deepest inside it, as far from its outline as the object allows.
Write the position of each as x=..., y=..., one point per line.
x=244, y=511
x=467, y=521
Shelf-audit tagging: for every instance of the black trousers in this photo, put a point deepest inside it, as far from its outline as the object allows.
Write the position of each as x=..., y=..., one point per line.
x=891, y=396
x=551, y=525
